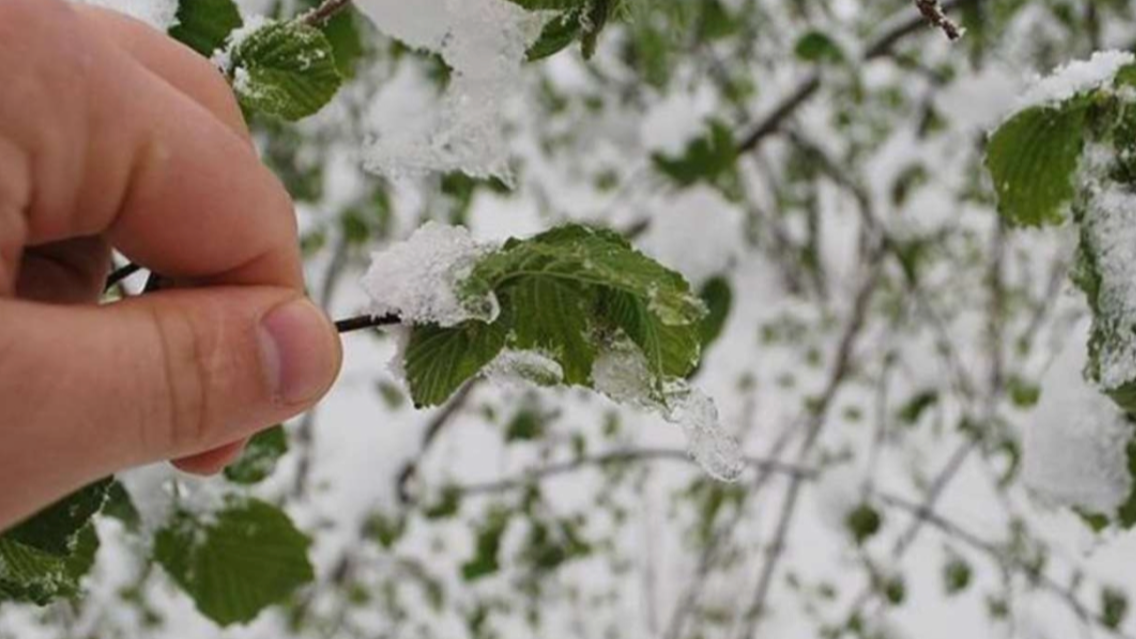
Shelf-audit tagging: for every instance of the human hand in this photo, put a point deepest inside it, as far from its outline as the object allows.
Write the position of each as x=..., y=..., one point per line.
x=114, y=136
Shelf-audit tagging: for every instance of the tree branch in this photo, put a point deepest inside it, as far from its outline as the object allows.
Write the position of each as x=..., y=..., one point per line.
x=625, y=456
x=933, y=13
x=880, y=46
x=326, y=11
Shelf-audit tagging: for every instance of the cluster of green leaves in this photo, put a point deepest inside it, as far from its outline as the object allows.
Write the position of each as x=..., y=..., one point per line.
x=233, y=564
x=1036, y=161
x=566, y=294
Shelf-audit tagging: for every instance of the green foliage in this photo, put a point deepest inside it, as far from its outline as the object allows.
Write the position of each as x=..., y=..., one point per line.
x=956, y=576
x=1113, y=607
x=487, y=548
x=259, y=459
x=284, y=69
x=33, y=575
x=55, y=530
x=204, y=25
x=718, y=296
x=44, y=557
x=247, y=558
x=863, y=523
x=711, y=159
x=564, y=294
x=439, y=360
x=816, y=46
x=1032, y=159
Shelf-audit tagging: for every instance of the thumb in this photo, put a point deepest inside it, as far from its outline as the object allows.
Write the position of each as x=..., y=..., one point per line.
x=86, y=392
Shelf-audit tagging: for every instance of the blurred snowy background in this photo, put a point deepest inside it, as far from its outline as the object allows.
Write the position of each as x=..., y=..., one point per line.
x=814, y=164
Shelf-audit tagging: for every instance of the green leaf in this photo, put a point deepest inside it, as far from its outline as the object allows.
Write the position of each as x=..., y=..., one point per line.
x=863, y=523
x=816, y=46
x=485, y=559
x=28, y=574
x=120, y=506
x=1113, y=607
x=556, y=35
x=956, y=576
x=203, y=25
x=551, y=316
x=439, y=360
x=589, y=256
x=711, y=158
x=260, y=457
x=671, y=351
x=249, y=557
x=1033, y=159
x=719, y=298
x=285, y=69
x=562, y=294
x=55, y=529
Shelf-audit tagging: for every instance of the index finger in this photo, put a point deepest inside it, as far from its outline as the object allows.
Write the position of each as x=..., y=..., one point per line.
x=113, y=148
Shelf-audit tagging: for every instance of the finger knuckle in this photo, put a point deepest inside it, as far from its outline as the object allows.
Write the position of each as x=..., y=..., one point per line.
x=188, y=371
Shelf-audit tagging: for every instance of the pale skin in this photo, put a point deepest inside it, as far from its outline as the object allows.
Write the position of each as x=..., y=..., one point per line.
x=113, y=136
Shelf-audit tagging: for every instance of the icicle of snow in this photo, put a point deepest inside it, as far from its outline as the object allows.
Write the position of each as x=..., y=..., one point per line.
x=708, y=443
x=1076, y=77
x=621, y=373
x=160, y=14
x=1075, y=447
x=484, y=43
x=417, y=279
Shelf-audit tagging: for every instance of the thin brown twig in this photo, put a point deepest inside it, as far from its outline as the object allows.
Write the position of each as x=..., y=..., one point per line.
x=933, y=12
x=1008, y=561
x=842, y=367
x=808, y=87
x=527, y=478
x=324, y=12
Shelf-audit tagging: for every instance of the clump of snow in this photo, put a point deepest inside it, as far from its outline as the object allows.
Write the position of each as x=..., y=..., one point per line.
x=1076, y=77
x=151, y=491
x=484, y=43
x=1109, y=234
x=160, y=14
x=518, y=368
x=1075, y=447
x=417, y=280
x=621, y=373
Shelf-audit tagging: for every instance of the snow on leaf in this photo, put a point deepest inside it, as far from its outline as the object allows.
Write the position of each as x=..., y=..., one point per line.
x=285, y=69
x=417, y=279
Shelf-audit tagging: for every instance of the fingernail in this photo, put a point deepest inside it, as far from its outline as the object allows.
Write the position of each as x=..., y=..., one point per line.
x=299, y=357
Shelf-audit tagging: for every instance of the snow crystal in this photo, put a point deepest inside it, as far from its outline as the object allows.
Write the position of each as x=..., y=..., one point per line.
x=1076, y=77
x=518, y=368
x=1109, y=227
x=160, y=14
x=622, y=374
x=1075, y=448
x=417, y=279
x=484, y=43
